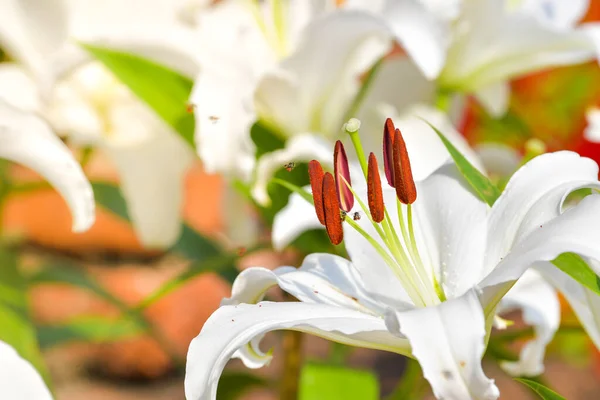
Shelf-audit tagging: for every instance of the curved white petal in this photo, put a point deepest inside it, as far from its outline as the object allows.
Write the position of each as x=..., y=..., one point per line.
x=231, y=327
x=152, y=171
x=494, y=98
x=296, y=217
x=17, y=88
x=584, y=302
x=576, y=230
x=322, y=278
x=312, y=89
x=299, y=148
x=533, y=196
x=26, y=139
x=541, y=309
x=452, y=221
x=32, y=30
x=448, y=341
x=18, y=379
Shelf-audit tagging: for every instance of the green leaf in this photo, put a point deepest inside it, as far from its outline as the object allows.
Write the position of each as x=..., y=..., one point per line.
x=540, y=389
x=108, y=196
x=232, y=385
x=325, y=382
x=576, y=267
x=163, y=89
x=193, y=245
x=17, y=329
x=88, y=329
x=265, y=139
x=479, y=182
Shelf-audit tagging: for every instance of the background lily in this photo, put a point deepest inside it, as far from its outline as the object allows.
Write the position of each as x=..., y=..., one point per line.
x=475, y=47
x=83, y=101
x=430, y=263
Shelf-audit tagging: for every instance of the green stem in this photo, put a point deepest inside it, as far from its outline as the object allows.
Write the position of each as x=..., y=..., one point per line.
x=442, y=100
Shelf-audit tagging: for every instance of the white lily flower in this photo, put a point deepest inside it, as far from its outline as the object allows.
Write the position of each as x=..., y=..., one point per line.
x=27, y=139
x=18, y=379
x=91, y=107
x=592, y=130
x=477, y=46
x=430, y=263
x=240, y=43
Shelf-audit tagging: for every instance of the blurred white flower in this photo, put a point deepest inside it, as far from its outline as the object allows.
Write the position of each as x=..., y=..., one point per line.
x=82, y=100
x=476, y=46
x=592, y=130
x=18, y=379
x=425, y=281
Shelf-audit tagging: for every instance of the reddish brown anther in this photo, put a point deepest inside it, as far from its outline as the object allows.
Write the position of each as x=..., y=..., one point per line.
x=331, y=208
x=315, y=173
x=388, y=153
x=403, y=179
x=374, y=192
x=341, y=173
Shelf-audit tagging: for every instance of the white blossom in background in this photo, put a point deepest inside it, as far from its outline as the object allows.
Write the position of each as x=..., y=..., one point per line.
x=477, y=46
x=18, y=379
x=426, y=278
x=52, y=77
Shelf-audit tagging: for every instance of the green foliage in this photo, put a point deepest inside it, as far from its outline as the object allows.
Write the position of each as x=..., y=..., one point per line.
x=411, y=385
x=232, y=385
x=265, y=139
x=325, y=382
x=479, y=182
x=164, y=90
x=17, y=329
x=576, y=267
x=540, y=389
x=108, y=196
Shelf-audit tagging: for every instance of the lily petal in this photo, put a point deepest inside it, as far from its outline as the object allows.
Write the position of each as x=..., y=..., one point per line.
x=455, y=251
x=17, y=88
x=494, y=98
x=26, y=139
x=532, y=198
x=231, y=327
x=152, y=188
x=18, y=379
x=424, y=34
x=32, y=30
x=576, y=230
x=448, y=341
x=313, y=88
x=556, y=12
x=541, y=309
x=498, y=44
x=300, y=148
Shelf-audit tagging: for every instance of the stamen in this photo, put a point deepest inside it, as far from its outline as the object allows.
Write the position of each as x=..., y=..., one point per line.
x=374, y=192
x=403, y=179
x=388, y=152
x=315, y=173
x=341, y=170
x=331, y=208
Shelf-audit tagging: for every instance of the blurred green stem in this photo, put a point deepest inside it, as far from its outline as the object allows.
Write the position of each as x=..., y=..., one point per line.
x=292, y=363
x=442, y=100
